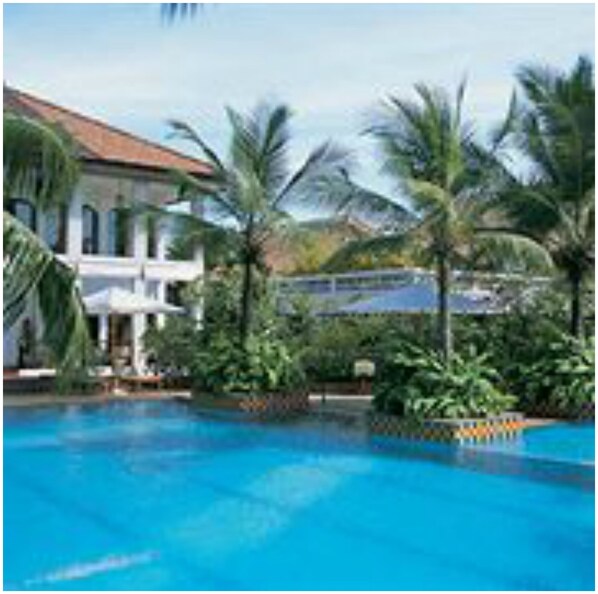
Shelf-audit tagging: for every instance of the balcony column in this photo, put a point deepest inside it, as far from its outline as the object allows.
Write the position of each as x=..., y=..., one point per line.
x=162, y=240
x=103, y=232
x=139, y=226
x=75, y=227
x=161, y=296
x=198, y=257
x=139, y=324
x=103, y=335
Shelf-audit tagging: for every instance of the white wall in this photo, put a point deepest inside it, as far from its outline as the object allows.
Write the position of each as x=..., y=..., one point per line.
x=102, y=192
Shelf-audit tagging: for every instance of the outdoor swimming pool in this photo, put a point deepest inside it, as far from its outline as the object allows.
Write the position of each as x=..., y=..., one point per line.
x=153, y=496
x=563, y=442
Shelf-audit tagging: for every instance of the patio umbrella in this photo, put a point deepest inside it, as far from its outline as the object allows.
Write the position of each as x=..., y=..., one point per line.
x=115, y=301
x=121, y=302
x=423, y=298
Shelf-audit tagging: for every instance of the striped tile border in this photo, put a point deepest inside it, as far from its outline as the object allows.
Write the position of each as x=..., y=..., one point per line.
x=505, y=426
x=578, y=412
x=266, y=405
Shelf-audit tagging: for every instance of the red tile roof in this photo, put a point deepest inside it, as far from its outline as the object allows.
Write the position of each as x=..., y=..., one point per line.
x=98, y=141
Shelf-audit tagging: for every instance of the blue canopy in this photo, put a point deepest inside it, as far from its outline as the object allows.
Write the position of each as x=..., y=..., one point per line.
x=423, y=298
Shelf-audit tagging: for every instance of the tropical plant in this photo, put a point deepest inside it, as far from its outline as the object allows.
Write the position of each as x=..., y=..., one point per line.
x=332, y=345
x=414, y=383
x=172, y=347
x=514, y=341
x=448, y=179
x=263, y=364
x=251, y=190
x=553, y=204
x=563, y=375
x=210, y=354
x=39, y=164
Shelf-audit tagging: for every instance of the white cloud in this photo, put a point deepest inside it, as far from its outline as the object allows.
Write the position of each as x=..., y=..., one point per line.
x=331, y=63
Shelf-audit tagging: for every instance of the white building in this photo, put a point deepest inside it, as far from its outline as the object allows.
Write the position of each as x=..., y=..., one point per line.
x=106, y=247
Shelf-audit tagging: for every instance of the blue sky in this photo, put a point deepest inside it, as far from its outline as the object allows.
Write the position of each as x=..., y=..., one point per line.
x=332, y=63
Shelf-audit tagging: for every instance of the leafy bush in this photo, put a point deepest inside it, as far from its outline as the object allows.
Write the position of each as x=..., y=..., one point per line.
x=518, y=339
x=563, y=375
x=335, y=344
x=263, y=364
x=536, y=359
x=173, y=347
x=211, y=354
x=419, y=384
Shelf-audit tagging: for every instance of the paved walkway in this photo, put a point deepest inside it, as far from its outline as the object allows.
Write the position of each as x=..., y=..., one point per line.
x=50, y=399
x=350, y=409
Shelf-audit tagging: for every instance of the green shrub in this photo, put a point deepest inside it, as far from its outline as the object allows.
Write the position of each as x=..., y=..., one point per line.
x=211, y=355
x=418, y=384
x=263, y=364
x=173, y=347
x=335, y=344
x=563, y=375
x=516, y=341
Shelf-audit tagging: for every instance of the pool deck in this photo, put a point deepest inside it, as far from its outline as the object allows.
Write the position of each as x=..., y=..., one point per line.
x=23, y=400
x=350, y=410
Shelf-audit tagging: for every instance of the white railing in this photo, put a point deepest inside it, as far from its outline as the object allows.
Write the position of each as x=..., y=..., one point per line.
x=378, y=281
x=117, y=267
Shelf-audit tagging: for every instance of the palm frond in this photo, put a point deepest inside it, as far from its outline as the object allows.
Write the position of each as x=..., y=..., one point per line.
x=32, y=270
x=172, y=11
x=507, y=248
x=427, y=197
x=315, y=179
x=381, y=246
x=184, y=131
x=38, y=161
x=505, y=129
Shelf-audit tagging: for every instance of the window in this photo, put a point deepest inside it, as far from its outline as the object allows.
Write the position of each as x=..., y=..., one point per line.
x=151, y=321
x=118, y=232
x=93, y=326
x=55, y=229
x=91, y=231
x=174, y=293
x=25, y=211
x=152, y=238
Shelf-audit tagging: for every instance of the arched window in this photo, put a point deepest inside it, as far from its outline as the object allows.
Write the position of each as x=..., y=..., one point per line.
x=174, y=293
x=152, y=238
x=24, y=210
x=91, y=231
x=118, y=232
x=55, y=229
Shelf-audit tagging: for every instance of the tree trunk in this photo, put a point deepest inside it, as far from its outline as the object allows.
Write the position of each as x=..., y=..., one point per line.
x=445, y=334
x=246, y=300
x=576, y=323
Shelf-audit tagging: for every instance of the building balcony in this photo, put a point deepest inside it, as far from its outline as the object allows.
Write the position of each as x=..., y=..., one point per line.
x=134, y=268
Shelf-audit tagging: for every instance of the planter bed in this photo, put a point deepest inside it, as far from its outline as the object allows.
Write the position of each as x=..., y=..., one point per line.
x=268, y=405
x=504, y=426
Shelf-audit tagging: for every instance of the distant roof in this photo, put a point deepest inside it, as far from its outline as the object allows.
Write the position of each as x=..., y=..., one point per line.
x=422, y=298
x=101, y=142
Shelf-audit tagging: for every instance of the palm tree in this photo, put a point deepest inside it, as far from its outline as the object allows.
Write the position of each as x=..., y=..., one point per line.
x=179, y=10
x=38, y=163
x=446, y=177
x=553, y=204
x=250, y=191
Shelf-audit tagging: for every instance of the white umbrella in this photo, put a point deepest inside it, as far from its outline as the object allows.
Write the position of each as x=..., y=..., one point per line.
x=115, y=301
x=119, y=301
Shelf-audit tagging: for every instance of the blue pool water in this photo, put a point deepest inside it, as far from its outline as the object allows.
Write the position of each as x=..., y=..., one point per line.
x=566, y=442
x=154, y=496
